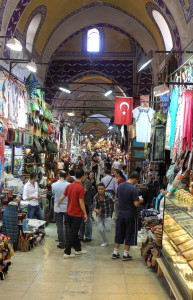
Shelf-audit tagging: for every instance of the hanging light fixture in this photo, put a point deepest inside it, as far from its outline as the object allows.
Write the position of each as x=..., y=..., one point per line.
x=145, y=61
x=31, y=66
x=71, y=113
x=108, y=92
x=65, y=89
x=14, y=44
x=160, y=90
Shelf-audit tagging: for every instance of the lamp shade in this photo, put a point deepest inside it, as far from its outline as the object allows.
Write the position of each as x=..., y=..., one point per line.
x=14, y=44
x=160, y=90
x=145, y=61
x=31, y=66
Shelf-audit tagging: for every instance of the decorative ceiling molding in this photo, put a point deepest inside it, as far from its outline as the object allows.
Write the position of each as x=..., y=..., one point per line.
x=188, y=13
x=22, y=4
x=170, y=20
x=2, y=8
x=39, y=10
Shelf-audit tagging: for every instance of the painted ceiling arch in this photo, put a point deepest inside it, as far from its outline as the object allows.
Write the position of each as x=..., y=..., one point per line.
x=15, y=10
x=58, y=11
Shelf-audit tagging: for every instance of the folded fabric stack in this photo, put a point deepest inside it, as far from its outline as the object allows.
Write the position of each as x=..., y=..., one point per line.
x=150, y=222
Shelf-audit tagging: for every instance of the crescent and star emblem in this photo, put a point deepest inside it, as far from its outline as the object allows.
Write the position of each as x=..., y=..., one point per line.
x=125, y=111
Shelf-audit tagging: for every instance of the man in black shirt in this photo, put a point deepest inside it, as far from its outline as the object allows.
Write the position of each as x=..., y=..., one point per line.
x=126, y=227
x=86, y=227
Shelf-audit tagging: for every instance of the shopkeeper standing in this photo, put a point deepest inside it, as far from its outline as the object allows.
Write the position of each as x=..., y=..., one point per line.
x=30, y=193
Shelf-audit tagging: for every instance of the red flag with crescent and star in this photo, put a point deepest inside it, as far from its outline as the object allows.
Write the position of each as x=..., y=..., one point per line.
x=123, y=111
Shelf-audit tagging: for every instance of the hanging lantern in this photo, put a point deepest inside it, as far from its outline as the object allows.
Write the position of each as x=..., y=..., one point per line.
x=31, y=85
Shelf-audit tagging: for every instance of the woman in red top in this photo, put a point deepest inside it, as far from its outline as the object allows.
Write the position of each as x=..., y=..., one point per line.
x=119, y=176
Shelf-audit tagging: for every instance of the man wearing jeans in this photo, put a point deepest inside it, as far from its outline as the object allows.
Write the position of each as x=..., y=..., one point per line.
x=30, y=193
x=58, y=189
x=86, y=227
x=75, y=212
x=102, y=206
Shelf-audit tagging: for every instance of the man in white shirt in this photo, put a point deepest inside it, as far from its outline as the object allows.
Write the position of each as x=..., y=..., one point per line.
x=116, y=164
x=73, y=159
x=60, y=165
x=30, y=193
x=58, y=189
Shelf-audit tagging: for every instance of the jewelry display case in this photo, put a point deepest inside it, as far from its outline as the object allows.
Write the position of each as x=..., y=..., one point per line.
x=177, y=241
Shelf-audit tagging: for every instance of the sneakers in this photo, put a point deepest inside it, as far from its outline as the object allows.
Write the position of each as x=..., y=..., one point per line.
x=60, y=246
x=86, y=240
x=69, y=255
x=114, y=256
x=80, y=252
x=126, y=258
x=104, y=244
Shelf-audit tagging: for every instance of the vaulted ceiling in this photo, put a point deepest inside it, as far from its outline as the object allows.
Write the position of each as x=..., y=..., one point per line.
x=128, y=29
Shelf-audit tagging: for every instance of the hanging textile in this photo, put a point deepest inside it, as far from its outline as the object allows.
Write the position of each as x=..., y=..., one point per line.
x=177, y=144
x=123, y=110
x=143, y=117
x=158, y=145
x=164, y=103
x=187, y=122
x=173, y=112
x=31, y=85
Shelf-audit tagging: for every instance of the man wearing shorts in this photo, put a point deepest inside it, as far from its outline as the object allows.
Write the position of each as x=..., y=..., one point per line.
x=126, y=227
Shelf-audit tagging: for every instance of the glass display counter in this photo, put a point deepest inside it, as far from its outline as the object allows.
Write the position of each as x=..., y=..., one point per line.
x=177, y=241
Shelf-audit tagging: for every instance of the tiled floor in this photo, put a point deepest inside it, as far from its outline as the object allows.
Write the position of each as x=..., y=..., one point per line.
x=43, y=273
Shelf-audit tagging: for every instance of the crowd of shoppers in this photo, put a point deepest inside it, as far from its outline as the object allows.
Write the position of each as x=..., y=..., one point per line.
x=83, y=186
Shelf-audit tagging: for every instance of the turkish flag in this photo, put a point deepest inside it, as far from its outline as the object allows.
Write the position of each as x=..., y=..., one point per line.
x=123, y=111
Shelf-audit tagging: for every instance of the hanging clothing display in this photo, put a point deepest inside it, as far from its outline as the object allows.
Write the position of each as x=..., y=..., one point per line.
x=168, y=132
x=158, y=145
x=173, y=112
x=177, y=144
x=164, y=103
x=187, y=122
x=143, y=117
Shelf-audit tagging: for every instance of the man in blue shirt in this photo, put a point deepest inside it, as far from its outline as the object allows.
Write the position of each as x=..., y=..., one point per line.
x=58, y=189
x=126, y=226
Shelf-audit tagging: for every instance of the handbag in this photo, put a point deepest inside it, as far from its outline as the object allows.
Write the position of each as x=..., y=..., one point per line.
x=41, y=112
x=37, y=145
x=44, y=127
x=50, y=130
x=47, y=115
x=34, y=106
x=30, y=158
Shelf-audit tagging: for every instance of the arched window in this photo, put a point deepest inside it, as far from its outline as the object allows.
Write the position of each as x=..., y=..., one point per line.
x=31, y=31
x=165, y=31
x=93, y=40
